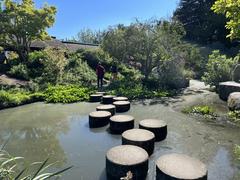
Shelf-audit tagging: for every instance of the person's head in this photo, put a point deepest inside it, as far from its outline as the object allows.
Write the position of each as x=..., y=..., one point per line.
x=99, y=63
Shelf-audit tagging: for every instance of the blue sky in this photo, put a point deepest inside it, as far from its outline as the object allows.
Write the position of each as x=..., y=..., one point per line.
x=74, y=15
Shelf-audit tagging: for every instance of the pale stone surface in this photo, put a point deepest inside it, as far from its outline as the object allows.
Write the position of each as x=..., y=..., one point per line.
x=109, y=108
x=153, y=123
x=234, y=101
x=100, y=114
x=127, y=155
x=95, y=97
x=120, y=99
x=180, y=166
x=122, y=118
x=138, y=135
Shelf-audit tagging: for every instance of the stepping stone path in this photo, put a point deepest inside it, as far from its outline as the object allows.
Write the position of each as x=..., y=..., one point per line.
x=99, y=119
x=139, y=137
x=121, y=123
x=96, y=98
x=109, y=108
x=158, y=127
x=124, y=158
x=122, y=106
x=107, y=99
x=179, y=166
x=120, y=99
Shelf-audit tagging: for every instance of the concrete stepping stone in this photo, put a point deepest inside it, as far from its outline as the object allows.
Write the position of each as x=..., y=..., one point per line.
x=120, y=99
x=110, y=108
x=158, y=127
x=179, y=166
x=99, y=119
x=122, y=106
x=107, y=99
x=101, y=92
x=124, y=158
x=226, y=88
x=139, y=137
x=121, y=123
x=95, y=98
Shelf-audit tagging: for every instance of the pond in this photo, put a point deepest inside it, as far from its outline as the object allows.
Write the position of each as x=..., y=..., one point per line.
x=61, y=132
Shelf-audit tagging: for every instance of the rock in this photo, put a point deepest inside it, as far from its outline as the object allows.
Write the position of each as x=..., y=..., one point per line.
x=99, y=119
x=179, y=166
x=234, y=101
x=121, y=123
x=109, y=108
x=120, y=99
x=139, y=137
x=158, y=127
x=107, y=99
x=122, y=106
x=101, y=92
x=95, y=98
x=122, y=159
x=226, y=88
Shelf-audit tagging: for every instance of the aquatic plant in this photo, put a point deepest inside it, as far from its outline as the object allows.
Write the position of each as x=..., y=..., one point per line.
x=9, y=169
x=234, y=116
x=200, y=109
x=236, y=151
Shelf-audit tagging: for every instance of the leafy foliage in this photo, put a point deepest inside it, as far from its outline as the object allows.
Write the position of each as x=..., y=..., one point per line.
x=14, y=98
x=9, y=169
x=219, y=68
x=66, y=94
x=202, y=109
x=89, y=36
x=21, y=23
x=234, y=116
x=231, y=9
x=19, y=71
x=200, y=22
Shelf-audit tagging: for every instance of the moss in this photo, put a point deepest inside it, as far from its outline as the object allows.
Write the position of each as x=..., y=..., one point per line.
x=236, y=151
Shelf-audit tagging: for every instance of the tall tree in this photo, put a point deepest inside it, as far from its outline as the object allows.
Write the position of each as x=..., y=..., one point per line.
x=21, y=23
x=231, y=9
x=144, y=42
x=89, y=36
x=200, y=22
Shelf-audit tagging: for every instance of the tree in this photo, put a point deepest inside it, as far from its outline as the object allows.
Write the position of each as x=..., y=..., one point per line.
x=89, y=36
x=200, y=22
x=21, y=23
x=143, y=42
x=231, y=10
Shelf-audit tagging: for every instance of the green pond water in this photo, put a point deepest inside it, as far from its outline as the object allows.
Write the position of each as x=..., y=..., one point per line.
x=61, y=132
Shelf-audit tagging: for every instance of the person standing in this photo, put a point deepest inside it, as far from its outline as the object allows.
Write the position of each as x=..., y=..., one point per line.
x=100, y=70
x=114, y=71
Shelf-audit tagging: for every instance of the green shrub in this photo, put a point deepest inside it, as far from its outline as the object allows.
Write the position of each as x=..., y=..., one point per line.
x=19, y=71
x=202, y=109
x=234, y=116
x=236, y=151
x=66, y=94
x=77, y=71
x=219, y=68
x=12, y=98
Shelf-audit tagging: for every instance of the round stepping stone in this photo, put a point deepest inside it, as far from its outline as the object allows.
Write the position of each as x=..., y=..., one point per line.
x=179, y=166
x=158, y=127
x=109, y=108
x=139, y=137
x=121, y=123
x=120, y=99
x=99, y=119
x=96, y=97
x=125, y=158
x=122, y=106
x=103, y=93
x=107, y=99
